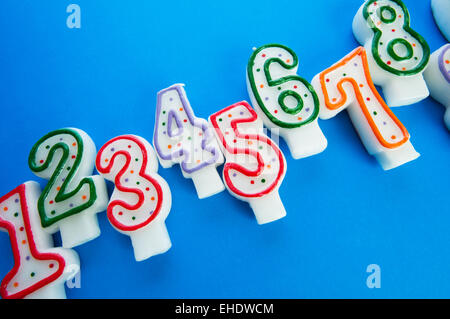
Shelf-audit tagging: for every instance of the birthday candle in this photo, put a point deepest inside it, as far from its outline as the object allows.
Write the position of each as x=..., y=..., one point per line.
x=437, y=76
x=181, y=137
x=71, y=199
x=441, y=13
x=397, y=55
x=141, y=199
x=347, y=85
x=255, y=166
x=40, y=270
x=287, y=103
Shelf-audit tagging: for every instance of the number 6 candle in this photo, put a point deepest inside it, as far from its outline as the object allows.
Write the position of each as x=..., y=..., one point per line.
x=347, y=85
x=397, y=55
x=180, y=137
x=71, y=199
x=40, y=271
x=255, y=166
x=141, y=199
x=287, y=103
x=437, y=76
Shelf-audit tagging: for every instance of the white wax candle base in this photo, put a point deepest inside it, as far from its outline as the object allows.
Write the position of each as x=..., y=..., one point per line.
x=405, y=90
x=152, y=240
x=78, y=229
x=207, y=182
x=267, y=208
x=393, y=158
x=305, y=141
x=52, y=291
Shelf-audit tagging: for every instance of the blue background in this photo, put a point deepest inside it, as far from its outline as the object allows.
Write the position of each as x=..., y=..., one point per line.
x=344, y=211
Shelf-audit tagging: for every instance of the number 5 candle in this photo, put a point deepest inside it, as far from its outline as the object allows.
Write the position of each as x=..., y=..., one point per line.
x=182, y=138
x=287, y=103
x=255, y=166
x=40, y=271
x=437, y=76
x=141, y=199
x=397, y=55
x=347, y=85
x=71, y=199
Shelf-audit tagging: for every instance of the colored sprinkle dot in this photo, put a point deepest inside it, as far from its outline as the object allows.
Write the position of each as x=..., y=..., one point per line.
x=47, y=147
x=375, y=113
x=263, y=180
x=384, y=123
x=307, y=109
x=5, y=208
x=263, y=55
x=32, y=274
x=393, y=137
x=51, y=266
x=260, y=147
x=415, y=58
x=355, y=64
x=68, y=168
x=16, y=200
x=136, y=159
x=50, y=202
x=279, y=88
x=41, y=161
x=74, y=144
x=234, y=141
x=133, y=218
x=16, y=284
x=368, y=99
x=73, y=156
x=252, y=182
x=299, y=118
x=163, y=123
x=169, y=146
x=381, y=43
x=198, y=161
x=220, y=120
x=261, y=86
x=27, y=258
x=403, y=68
x=399, y=15
x=345, y=74
x=164, y=112
x=189, y=138
x=131, y=172
x=250, y=142
x=53, y=212
x=16, y=214
x=129, y=146
x=306, y=95
x=153, y=198
x=21, y=228
x=84, y=197
x=229, y=115
x=268, y=166
x=388, y=62
x=70, y=205
x=328, y=80
x=393, y=30
x=241, y=113
x=295, y=86
x=137, y=183
x=112, y=149
x=276, y=111
x=267, y=99
x=181, y=109
x=361, y=85
x=234, y=174
x=333, y=99
x=24, y=242
x=414, y=44
x=171, y=99
x=147, y=189
x=185, y=120
x=447, y=61
x=106, y=160
x=257, y=70
x=120, y=213
x=287, y=61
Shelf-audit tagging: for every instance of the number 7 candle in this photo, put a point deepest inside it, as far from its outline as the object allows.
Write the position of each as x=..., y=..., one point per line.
x=181, y=137
x=347, y=85
x=141, y=199
x=40, y=271
x=71, y=199
x=437, y=76
x=255, y=166
x=397, y=55
x=287, y=103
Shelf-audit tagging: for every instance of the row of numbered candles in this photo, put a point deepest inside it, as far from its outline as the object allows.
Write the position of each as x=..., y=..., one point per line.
x=397, y=57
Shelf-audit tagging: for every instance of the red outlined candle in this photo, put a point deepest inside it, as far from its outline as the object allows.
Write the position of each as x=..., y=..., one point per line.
x=141, y=199
x=347, y=85
x=40, y=271
x=255, y=166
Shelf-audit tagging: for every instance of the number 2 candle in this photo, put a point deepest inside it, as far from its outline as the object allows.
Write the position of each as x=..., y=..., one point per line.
x=180, y=137
x=40, y=271
x=255, y=166
x=287, y=103
x=347, y=85
x=397, y=55
x=141, y=199
x=437, y=76
x=71, y=199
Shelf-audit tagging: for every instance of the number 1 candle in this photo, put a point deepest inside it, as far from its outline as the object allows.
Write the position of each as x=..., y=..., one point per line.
x=437, y=76
x=287, y=103
x=71, y=199
x=141, y=199
x=347, y=85
x=40, y=271
x=397, y=55
x=181, y=137
x=255, y=166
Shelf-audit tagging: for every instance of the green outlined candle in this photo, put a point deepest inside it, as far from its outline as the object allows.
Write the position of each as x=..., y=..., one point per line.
x=397, y=55
x=72, y=198
x=40, y=270
x=286, y=102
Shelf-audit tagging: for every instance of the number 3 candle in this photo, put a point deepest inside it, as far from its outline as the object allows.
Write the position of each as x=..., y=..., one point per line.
x=180, y=137
x=397, y=55
x=141, y=199
x=255, y=166
x=286, y=102
x=347, y=85
x=40, y=271
x=70, y=200
x=437, y=76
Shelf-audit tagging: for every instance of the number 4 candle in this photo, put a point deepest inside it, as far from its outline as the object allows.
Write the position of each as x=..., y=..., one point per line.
x=286, y=102
x=437, y=76
x=347, y=85
x=40, y=271
x=255, y=166
x=180, y=137
x=141, y=199
x=71, y=199
x=397, y=55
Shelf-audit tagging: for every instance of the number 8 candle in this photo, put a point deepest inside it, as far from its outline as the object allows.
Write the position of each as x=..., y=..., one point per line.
x=287, y=103
x=40, y=270
x=180, y=137
x=255, y=166
x=347, y=85
x=141, y=199
x=71, y=199
x=397, y=55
